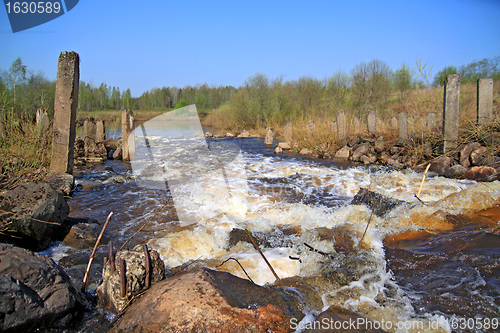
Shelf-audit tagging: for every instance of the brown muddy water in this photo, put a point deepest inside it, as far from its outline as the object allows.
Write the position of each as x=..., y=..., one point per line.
x=435, y=264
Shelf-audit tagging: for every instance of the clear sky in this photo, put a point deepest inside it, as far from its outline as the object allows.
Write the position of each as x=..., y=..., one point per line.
x=145, y=44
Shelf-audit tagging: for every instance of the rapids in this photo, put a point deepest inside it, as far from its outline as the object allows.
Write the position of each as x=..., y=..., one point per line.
x=431, y=263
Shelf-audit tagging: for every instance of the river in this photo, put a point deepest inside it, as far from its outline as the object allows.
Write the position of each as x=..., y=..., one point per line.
x=193, y=193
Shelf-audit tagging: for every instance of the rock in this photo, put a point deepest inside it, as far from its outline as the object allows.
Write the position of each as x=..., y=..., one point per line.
x=354, y=142
x=32, y=203
x=395, y=163
x=380, y=145
x=284, y=145
x=343, y=153
x=384, y=158
x=109, y=290
x=477, y=155
x=61, y=182
x=482, y=174
x=208, y=135
x=466, y=151
x=101, y=150
x=337, y=319
x=229, y=135
x=360, y=150
x=368, y=158
x=456, y=171
x=244, y=135
x=263, y=240
x=278, y=150
x=117, y=155
x=305, y=151
x=112, y=144
x=207, y=301
x=256, y=135
x=88, y=185
x=440, y=164
x=378, y=203
x=35, y=293
x=84, y=235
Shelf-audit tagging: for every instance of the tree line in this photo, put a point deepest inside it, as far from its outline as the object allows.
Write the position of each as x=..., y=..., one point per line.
x=369, y=85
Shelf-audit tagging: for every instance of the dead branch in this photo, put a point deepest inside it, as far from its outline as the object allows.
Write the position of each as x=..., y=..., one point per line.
x=248, y=276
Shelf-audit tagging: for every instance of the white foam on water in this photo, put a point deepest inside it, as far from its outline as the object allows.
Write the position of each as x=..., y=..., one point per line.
x=212, y=196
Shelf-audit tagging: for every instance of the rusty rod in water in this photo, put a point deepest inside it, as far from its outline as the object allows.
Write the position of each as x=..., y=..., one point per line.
x=262, y=254
x=147, y=263
x=123, y=278
x=91, y=258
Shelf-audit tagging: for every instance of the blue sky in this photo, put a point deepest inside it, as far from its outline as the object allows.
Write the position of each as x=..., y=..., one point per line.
x=145, y=44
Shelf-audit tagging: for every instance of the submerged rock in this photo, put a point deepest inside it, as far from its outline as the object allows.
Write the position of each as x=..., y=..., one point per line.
x=378, y=203
x=35, y=293
x=207, y=301
x=84, y=235
x=25, y=208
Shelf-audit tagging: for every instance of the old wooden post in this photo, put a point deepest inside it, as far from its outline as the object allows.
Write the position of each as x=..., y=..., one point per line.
x=128, y=140
x=100, y=131
x=66, y=101
x=311, y=127
x=269, y=136
x=484, y=101
x=288, y=131
x=403, y=126
x=341, y=126
x=394, y=123
x=451, y=111
x=89, y=134
x=372, y=122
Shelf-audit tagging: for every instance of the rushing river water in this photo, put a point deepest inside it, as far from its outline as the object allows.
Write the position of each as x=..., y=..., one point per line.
x=436, y=263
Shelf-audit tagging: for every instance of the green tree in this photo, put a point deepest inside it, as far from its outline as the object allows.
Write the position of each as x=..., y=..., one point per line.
x=16, y=75
x=372, y=83
x=441, y=75
x=403, y=82
x=182, y=103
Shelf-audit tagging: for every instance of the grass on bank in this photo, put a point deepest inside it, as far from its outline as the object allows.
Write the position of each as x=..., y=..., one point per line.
x=417, y=105
x=24, y=152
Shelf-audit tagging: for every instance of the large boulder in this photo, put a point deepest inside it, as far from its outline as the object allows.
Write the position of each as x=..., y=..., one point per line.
x=25, y=212
x=207, y=301
x=35, y=293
